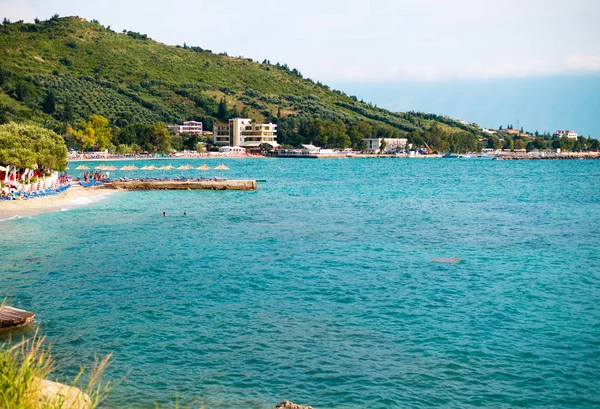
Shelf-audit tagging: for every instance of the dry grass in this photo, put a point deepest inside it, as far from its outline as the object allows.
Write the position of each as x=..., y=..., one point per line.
x=26, y=365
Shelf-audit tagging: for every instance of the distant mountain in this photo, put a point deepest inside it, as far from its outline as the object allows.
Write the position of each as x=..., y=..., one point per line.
x=65, y=69
x=544, y=104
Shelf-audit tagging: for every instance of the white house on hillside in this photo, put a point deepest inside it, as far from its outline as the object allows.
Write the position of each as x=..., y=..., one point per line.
x=568, y=134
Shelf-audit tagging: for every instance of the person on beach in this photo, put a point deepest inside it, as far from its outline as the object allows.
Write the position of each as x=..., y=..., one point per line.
x=185, y=213
x=164, y=214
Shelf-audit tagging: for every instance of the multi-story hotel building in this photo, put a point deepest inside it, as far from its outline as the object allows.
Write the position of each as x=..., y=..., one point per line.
x=189, y=127
x=243, y=132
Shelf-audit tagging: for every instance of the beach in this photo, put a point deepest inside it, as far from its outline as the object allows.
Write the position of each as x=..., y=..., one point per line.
x=71, y=198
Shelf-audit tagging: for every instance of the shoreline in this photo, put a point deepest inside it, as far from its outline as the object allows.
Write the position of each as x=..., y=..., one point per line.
x=504, y=156
x=74, y=197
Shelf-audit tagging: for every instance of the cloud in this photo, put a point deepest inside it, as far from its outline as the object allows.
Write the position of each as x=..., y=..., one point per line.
x=583, y=63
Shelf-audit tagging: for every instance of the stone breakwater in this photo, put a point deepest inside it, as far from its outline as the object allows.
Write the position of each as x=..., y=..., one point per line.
x=183, y=185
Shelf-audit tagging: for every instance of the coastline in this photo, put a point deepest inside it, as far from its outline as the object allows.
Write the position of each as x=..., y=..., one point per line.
x=501, y=156
x=74, y=197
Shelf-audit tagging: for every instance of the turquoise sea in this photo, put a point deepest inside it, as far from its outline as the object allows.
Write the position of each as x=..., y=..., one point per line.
x=319, y=286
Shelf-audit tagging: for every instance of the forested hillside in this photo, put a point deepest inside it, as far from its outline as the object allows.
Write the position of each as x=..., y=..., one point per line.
x=61, y=71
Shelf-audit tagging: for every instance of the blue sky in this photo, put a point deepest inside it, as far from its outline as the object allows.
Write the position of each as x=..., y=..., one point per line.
x=408, y=46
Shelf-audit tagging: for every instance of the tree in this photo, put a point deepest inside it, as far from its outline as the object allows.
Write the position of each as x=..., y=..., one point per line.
x=222, y=112
x=84, y=137
x=160, y=138
x=314, y=132
x=519, y=144
x=494, y=143
x=382, y=145
x=67, y=114
x=23, y=91
x=49, y=102
x=31, y=146
x=234, y=113
x=102, y=131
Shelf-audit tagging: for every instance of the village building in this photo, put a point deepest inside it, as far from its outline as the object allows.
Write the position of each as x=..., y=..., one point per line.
x=188, y=128
x=565, y=134
x=392, y=145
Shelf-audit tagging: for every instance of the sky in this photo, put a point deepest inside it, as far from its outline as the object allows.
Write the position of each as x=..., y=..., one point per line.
x=393, y=50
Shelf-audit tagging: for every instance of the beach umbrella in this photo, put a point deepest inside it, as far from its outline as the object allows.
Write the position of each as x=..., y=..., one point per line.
x=126, y=168
x=221, y=167
x=203, y=167
x=111, y=167
x=152, y=167
x=164, y=168
x=133, y=167
x=185, y=167
x=146, y=167
x=101, y=167
x=82, y=167
x=170, y=167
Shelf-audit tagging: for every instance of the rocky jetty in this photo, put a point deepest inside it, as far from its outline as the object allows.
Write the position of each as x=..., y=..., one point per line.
x=182, y=185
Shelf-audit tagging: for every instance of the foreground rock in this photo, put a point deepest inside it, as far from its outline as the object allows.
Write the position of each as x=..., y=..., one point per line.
x=54, y=394
x=14, y=317
x=286, y=404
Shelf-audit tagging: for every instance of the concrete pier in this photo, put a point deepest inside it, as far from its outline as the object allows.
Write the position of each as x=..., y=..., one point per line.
x=183, y=185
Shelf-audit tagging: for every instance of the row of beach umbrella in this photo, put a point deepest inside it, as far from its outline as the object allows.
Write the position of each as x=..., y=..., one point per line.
x=152, y=167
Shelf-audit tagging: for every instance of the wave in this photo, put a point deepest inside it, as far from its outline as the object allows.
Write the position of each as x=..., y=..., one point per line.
x=11, y=218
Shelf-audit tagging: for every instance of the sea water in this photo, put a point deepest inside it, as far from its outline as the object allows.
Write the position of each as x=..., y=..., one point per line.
x=319, y=287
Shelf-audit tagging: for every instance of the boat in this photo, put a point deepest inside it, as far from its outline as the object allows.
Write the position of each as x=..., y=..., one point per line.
x=450, y=155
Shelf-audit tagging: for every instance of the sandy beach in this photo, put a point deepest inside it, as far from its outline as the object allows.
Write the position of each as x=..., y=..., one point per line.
x=74, y=197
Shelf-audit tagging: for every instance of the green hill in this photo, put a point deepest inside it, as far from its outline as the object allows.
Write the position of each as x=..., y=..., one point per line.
x=65, y=69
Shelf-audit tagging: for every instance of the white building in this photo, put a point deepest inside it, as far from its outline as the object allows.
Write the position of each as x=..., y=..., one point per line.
x=189, y=127
x=243, y=132
x=391, y=144
x=568, y=134
x=232, y=150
